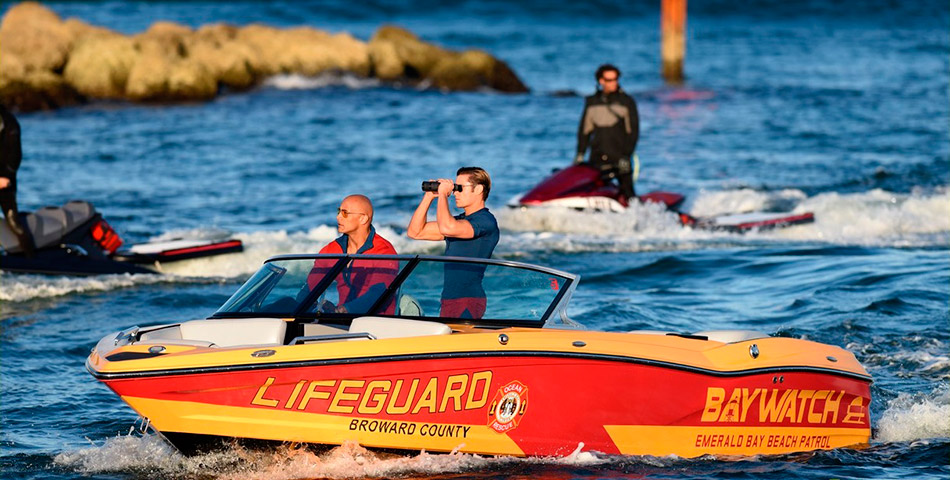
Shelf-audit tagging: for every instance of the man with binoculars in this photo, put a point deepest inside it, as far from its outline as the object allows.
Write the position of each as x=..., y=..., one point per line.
x=473, y=233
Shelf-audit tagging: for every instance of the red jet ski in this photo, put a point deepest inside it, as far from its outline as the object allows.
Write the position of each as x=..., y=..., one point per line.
x=581, y=187
x=75, y=240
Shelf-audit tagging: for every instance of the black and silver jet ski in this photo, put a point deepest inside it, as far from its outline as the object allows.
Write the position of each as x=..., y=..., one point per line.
x=580, y=187
x=75, y=240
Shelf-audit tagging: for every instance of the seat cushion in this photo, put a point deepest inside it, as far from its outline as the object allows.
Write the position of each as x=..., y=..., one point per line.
x=231, y=332
x=383, y=327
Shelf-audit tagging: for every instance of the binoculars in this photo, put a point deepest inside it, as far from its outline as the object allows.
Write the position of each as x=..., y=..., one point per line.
x=433, y=186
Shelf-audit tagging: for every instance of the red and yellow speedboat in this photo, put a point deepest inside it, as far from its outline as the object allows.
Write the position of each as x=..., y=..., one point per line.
x=326, y=349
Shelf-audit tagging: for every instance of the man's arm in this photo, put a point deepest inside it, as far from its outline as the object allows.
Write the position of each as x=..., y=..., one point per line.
x=449, y=226
x=362, y=303
x=11, y=152
x=419, y=228
x=634, y=122
x=583, y=138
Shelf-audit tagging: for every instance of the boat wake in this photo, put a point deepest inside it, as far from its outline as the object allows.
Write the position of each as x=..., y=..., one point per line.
x=20, y=288
x=916, y=417
x=151, y=455
x=873, y=218
x=258, y=246
x=907, y=419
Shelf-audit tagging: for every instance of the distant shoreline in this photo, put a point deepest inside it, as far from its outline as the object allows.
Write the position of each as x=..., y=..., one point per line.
x=47, y=63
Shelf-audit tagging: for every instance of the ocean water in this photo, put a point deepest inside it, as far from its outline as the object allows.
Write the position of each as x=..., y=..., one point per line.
x=831, y=107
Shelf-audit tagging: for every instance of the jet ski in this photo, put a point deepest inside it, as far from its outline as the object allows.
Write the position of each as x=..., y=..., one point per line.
x=75, y=240
x=581, y=187
x=494, y=368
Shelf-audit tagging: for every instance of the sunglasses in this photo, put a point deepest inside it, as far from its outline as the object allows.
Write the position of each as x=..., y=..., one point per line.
x=610, y=80
x=345, y=214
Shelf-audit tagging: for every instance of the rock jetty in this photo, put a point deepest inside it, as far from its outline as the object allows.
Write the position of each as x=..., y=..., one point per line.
x=46, y=62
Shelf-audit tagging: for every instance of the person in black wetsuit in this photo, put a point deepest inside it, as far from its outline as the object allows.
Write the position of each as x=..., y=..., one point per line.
x=610, y=126
x=10, y=156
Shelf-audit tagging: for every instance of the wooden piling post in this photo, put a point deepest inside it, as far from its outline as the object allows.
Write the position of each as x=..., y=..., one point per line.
x=673, y=44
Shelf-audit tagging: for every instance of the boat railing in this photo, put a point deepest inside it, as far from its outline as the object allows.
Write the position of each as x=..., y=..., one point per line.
x=126, y=336
x=332, y=336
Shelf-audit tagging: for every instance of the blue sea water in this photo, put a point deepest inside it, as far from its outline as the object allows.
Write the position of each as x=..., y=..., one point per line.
x=837, y=108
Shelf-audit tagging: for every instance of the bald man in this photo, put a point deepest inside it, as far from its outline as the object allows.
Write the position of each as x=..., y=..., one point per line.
x=354, y=219
x=362, y=281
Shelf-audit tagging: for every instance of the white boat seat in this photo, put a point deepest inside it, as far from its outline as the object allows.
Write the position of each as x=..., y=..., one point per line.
x=383, y=327
x=222, y=333
x=313, y=329
x=731, y=336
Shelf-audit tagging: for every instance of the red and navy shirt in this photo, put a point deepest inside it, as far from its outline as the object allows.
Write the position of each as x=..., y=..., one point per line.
x=362, y=282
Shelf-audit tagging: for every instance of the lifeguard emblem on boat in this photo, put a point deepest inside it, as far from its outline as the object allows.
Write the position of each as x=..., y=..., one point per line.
x=508, y=407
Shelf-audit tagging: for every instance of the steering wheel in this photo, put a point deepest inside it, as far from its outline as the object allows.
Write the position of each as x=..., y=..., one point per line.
x=325, y=306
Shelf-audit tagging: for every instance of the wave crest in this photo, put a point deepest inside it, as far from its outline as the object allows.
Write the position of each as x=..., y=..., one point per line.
x=916, y=417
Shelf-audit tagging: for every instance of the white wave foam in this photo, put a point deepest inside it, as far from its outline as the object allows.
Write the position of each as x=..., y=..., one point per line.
x=874, y=218
x=642, y=227
x=878, y=218
x=258, y=246
x=916, y=417
x=710, y=204
x=644, y=220
x=917, y=364
x=302, y=82
x=18, y=288
x=580, y=457
x=123, y=453
x=149, y=453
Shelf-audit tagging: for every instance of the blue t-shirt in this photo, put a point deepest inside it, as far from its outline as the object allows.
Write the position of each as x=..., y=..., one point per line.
x=464, y=280
x=482, y=244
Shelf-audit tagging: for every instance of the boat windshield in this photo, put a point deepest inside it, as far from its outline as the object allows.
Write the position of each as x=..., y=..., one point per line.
x=444, y=289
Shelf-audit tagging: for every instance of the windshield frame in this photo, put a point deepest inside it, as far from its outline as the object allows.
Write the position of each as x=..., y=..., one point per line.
x=556, y=311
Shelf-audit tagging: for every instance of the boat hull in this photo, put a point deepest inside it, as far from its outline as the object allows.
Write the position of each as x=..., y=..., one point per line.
x=527, y=403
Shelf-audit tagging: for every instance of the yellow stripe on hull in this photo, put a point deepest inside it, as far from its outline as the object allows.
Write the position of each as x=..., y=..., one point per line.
x=305, y=427
x=688, y=442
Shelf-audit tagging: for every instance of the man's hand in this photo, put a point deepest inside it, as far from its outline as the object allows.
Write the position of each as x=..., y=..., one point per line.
x=427, y=195
x=4, y=182
x=419, y=227
x=446, y=187
x=579, y=159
